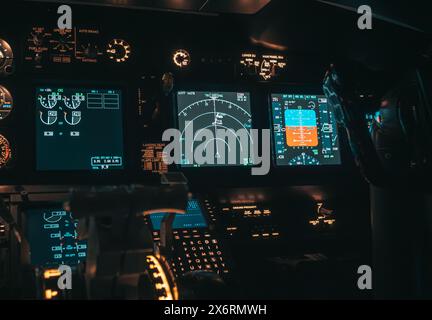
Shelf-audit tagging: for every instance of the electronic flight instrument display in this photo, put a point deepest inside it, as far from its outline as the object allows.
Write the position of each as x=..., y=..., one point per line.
x=215, y=126
x=78, y=129
x=304, y=131
x=53, y=238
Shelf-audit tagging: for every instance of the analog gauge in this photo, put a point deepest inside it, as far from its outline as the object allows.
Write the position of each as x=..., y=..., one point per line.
x=118, y=50
x=74, y=101
x=88, y=47
x=6, y=102
x=88, y=52
x=181, y=58
x=49, y=101
x=5, y=151
x=62, y=41
x=6, y=58
x=303, y=160
x=48, y=117
x=72, y=118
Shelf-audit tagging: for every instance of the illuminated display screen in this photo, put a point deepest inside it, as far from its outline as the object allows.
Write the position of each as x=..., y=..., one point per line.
x=209, y=123
x=304, y=131
x=78, y=129
x=193, y=218
x=53, y=239
x=152, y=158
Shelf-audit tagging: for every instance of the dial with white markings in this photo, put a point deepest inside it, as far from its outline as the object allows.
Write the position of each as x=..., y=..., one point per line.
x=212, y=111
x=303, y=160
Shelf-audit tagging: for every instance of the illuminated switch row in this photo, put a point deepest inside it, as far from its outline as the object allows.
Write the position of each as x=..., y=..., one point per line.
x=265, y=235
x=318, y=222
x=247, y=211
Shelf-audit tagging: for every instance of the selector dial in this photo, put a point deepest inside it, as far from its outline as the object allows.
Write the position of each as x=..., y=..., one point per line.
x=118, y=50
x=181, y=58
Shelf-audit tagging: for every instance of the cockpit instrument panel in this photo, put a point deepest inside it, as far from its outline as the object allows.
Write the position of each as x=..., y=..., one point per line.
x=53, y=238
x=193, y=218
x=265, y=66
x=78, y=129
x=47, y=47
x=152, y=158
x=89, y=48
x=215, y=128
x=304, y=130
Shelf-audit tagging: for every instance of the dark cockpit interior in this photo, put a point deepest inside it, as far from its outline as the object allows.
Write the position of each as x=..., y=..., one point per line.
x=215, y=150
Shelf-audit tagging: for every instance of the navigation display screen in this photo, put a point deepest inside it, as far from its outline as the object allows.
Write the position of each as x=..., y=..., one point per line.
x=193, y=218
x=215, y=128
x=304, y=130
x=53, y=239
x=78, y=129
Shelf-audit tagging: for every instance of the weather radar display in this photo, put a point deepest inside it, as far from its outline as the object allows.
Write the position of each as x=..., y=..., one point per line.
x=227, y=116
x=304, y=131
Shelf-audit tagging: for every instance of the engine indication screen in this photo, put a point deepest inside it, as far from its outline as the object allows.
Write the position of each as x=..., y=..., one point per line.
x=78, y=129
x=304, y=131
x=53, y=238
x=209, y=123
x=193, y=218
